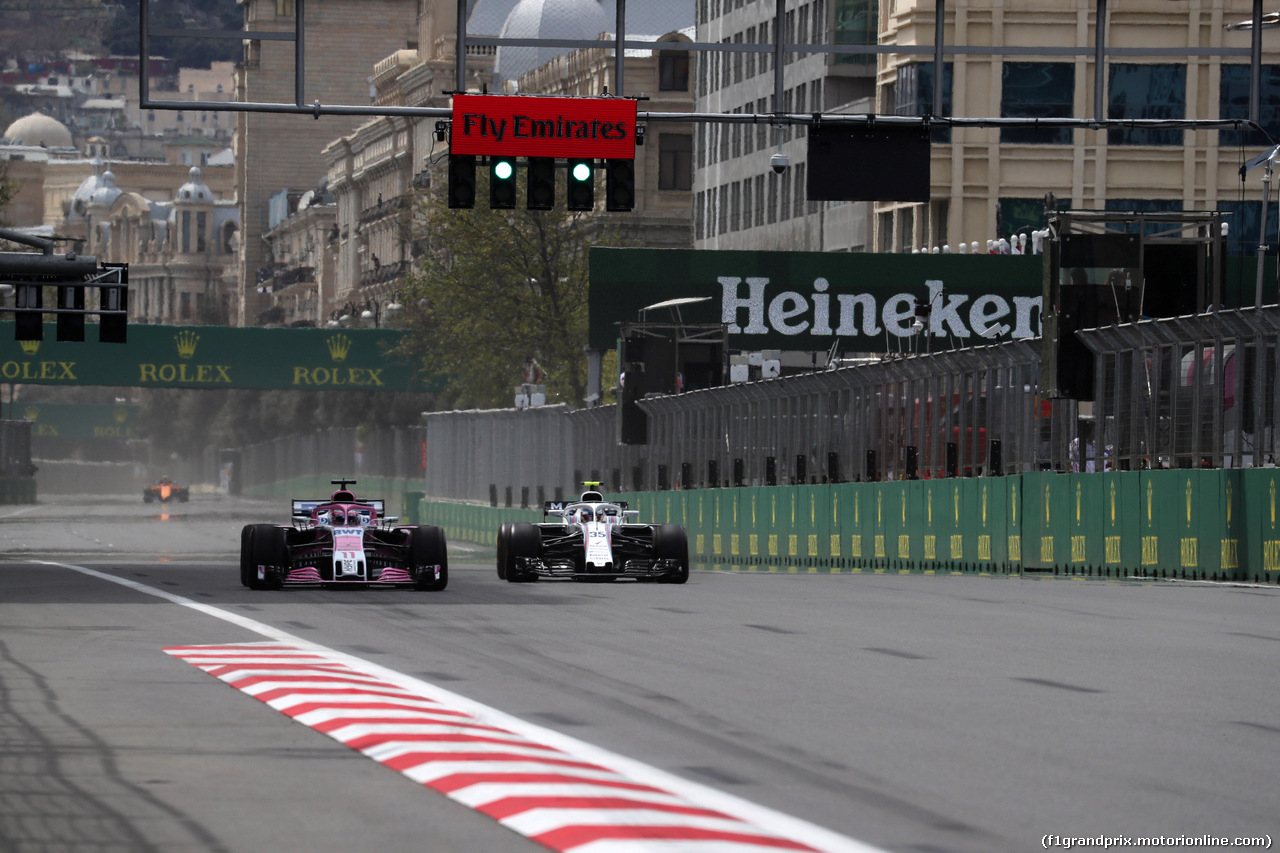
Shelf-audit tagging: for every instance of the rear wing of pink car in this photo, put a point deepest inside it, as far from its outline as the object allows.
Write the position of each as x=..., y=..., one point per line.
x=301, y=510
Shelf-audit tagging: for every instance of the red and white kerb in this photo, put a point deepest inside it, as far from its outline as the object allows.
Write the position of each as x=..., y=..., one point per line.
x=545, y=793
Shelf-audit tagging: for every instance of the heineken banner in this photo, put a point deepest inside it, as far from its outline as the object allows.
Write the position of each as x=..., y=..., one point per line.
x=807, y=300
x=79, y=420
x=213, y=357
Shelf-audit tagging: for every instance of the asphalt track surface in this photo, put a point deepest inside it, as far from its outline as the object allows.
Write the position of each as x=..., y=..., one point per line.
x=904, y=713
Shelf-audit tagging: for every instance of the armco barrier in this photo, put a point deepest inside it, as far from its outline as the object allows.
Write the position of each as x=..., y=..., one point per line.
x=1200, y=524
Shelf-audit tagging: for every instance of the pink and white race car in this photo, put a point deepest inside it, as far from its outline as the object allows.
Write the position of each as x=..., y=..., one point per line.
x=343, y=541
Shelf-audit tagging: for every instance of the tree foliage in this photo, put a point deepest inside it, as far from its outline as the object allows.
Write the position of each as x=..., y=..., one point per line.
x=495, y=289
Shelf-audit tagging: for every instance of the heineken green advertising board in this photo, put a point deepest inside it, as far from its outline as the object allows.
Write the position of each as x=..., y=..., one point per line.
x=213, y=357
x=807, y=300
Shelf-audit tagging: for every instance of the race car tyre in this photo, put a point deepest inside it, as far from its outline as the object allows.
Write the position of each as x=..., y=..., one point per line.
x=184, y=496
x=504, y=534
x=247, y=571
x=525, y=540
x=268, y=550
x=670, y=542
x=147, y=497
x=427, y=548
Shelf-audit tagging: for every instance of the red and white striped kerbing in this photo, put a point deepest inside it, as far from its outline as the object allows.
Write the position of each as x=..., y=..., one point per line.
x=562, y=801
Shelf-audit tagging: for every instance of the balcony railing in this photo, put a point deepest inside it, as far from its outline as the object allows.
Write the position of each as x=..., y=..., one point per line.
x=383, y=209
x=384, y=273
x=279, y=277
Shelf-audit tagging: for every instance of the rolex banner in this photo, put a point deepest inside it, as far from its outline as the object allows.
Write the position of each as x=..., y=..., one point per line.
x=809, y=301
x=214, y=357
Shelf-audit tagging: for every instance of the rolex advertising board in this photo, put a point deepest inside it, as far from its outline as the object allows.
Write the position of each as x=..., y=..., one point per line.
x=214, y=357
x=807, y=301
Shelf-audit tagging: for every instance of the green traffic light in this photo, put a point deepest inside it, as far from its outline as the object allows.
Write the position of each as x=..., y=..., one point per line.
x=582, y=171
x=503, y=169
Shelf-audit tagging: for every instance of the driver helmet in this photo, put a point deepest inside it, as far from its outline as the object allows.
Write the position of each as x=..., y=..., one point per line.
x=585, y=514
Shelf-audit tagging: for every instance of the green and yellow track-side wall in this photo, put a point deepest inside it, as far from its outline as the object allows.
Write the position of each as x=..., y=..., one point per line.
x=1185, y=524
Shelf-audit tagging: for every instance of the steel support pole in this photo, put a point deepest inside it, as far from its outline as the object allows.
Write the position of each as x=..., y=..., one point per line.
x=1099, y=60
x=939, y=26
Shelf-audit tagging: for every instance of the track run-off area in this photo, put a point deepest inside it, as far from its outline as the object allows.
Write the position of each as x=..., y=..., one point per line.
x=149, y=702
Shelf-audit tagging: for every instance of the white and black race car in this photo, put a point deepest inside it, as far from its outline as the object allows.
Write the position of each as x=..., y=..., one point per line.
x=343, y=541
x=592, y=539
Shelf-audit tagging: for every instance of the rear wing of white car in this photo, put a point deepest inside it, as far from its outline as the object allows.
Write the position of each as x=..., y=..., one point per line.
x=301, y=510
x=558, y=508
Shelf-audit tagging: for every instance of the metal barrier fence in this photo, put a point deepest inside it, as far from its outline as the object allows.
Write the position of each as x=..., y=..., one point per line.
x=331, y=453
x=1183, y=392
x=1187, y=392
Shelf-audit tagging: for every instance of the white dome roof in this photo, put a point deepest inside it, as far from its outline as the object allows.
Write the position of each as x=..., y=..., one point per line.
x=194, y=189
x=39, y=129
x=485, y=17
x=580, y=19
x=550, y=19
x=107, y=191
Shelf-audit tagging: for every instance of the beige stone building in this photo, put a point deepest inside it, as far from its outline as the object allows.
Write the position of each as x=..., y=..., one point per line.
x=181, y=241
x=279, y=151
x=376, y=171
x=176, y=226
x=991, y=182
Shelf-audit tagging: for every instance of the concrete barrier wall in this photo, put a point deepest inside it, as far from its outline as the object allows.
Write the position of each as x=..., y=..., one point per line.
x=1188, y=524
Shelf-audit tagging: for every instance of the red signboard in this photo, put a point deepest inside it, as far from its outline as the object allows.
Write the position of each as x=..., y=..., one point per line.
x=527, y=126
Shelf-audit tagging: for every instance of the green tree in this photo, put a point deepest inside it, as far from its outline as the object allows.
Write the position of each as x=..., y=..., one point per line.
x=8, y=189
x=496, y=288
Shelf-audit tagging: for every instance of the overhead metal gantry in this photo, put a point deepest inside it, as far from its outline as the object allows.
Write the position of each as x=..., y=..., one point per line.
x=778, y=47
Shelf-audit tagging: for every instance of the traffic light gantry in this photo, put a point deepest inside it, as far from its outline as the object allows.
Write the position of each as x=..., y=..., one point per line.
x=541, y=182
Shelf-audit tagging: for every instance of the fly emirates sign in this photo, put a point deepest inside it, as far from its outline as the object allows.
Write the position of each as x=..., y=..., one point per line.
x=807, y=300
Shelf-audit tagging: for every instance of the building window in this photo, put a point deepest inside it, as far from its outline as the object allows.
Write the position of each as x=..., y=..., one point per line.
x=773, y=198
x=913, y=94
x=699, y=219
x=1242, y=237
x=1233, y=102
x=186, y=231
x=748, y=216
x=722, y=218
x=1037, y=90
x=735, y=207
x=759, y=200
x=1018, y=215
x=673, y=71
x=201, y=224
x=800, y=197
x=799, y=107
x=886, y=232
x=284, y=7
x=675, y=161
x=856, y=23
x=785, y=193
x=1140, y=205
x=1147, y=92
